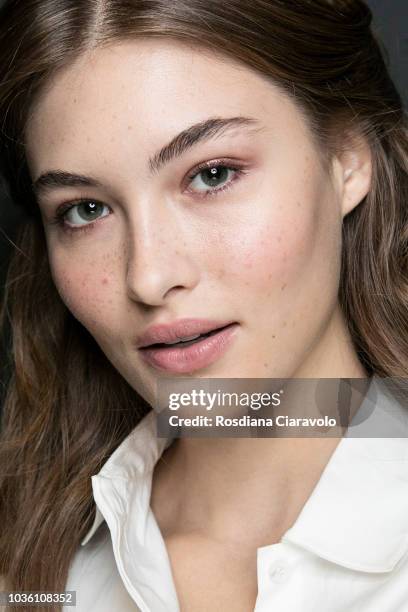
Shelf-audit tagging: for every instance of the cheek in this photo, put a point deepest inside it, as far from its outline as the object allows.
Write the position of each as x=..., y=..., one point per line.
x=287, y=250
x=87, y=288
x=274, y=246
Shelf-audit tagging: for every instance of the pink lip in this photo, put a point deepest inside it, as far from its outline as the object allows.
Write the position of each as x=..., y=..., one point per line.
x=194, y=357
x=182, y=328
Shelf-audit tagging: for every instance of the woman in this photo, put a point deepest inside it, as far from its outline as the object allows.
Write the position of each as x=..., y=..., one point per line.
x=187, y=167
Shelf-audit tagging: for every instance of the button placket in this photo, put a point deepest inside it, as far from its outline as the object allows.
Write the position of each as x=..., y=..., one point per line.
x=277, y=571
x=273, y=566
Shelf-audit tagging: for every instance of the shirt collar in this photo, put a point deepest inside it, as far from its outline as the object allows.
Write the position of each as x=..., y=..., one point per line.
x=134, y=459
x=357, y=515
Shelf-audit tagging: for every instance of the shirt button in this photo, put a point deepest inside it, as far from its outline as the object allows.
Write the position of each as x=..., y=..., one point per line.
x=277, y=573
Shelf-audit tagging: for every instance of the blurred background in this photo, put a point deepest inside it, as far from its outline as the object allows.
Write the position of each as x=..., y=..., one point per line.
x=390, y=23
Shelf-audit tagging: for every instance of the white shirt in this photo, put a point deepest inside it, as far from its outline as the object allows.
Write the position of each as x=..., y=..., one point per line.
x=346, y=552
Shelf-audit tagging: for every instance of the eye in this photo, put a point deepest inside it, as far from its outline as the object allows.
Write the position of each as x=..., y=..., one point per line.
x=212, y=178
x=83, y=213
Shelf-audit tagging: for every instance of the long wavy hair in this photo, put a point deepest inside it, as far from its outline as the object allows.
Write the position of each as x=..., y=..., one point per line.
x=56, y=434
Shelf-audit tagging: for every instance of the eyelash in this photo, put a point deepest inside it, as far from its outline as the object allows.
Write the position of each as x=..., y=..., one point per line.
x=59, y=218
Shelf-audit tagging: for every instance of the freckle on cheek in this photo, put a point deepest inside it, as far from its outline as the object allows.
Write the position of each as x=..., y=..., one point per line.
x=104, y=281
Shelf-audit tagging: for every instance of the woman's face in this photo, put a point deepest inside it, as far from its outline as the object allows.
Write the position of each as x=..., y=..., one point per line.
x=254, y=237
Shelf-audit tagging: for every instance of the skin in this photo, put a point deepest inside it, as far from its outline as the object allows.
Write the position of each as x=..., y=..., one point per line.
x=266, y=253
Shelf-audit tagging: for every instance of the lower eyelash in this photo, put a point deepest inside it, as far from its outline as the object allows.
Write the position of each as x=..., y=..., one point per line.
x=58, y=220
x=213, y=192
x=79, y=229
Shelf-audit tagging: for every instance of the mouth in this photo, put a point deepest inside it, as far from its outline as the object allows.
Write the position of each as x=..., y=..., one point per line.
x=192, y=353
x=189, y=342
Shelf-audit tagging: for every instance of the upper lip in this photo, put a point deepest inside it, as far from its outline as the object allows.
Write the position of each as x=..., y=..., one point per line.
x=182, y=328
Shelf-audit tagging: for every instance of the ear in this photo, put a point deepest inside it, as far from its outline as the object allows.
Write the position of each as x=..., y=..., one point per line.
x=354, y=172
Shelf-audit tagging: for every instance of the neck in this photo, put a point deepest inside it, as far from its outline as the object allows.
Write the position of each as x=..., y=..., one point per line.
x=250, y=489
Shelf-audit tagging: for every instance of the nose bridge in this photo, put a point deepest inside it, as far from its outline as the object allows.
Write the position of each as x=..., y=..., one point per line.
x=157, y=256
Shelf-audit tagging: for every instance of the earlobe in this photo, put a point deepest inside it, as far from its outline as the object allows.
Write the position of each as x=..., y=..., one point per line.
x=356, y=170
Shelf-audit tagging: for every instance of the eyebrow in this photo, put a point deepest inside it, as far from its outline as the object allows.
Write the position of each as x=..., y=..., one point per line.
x=182, y=142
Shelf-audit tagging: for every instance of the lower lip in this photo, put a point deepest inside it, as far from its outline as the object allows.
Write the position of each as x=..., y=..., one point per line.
x=194, y=357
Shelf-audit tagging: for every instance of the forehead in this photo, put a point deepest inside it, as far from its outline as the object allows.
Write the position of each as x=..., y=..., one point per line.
x=152, y=88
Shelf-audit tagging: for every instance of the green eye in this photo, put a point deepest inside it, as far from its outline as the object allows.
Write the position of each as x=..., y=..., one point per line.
x=212, y=179
x=85, y=212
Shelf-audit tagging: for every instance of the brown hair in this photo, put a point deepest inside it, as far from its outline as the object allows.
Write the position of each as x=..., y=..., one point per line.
x=55, y=435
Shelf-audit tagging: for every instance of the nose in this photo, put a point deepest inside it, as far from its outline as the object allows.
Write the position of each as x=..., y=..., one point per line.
x=159, y=260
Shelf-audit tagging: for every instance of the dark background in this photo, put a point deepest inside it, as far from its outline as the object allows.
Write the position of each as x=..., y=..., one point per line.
x=391, y=24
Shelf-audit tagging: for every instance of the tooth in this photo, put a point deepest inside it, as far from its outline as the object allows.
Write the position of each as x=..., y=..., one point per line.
x=186, y=339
